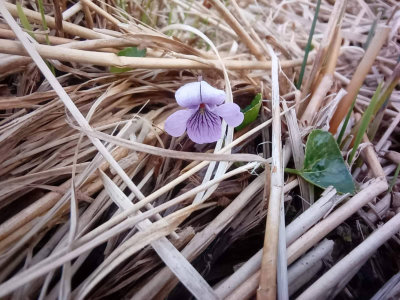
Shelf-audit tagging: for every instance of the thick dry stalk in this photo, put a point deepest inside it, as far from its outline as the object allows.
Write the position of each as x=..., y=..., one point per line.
x=371, y=158
x=327, y=282
x=297, y=270
x=358, y=78
x=111, y=59
x=41, y=38
x=267, y=288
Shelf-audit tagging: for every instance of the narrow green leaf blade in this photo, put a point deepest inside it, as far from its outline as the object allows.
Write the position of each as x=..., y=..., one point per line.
x=308, y=46
x=24, y=20
x=324, y=164
x=365, y=120
x=251, y=112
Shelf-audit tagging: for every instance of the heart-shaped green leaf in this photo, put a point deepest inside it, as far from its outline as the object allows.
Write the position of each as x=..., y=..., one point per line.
x=324, y=164
x=251, y=112
x=130, y=52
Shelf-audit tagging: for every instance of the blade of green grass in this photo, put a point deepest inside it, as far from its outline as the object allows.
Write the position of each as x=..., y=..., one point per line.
x=308, y=46
x=145, y=18
x=383, y=101
x=122, y=4
x=366, y=118
x=45, y=27
x=24, y=20
x=44, y=23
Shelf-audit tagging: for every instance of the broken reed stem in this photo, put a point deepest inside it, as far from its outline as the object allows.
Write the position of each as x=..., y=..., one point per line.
x=111, y=59
x=358, y=77
x=317, y=99
x=72, y=10
x=267, y=287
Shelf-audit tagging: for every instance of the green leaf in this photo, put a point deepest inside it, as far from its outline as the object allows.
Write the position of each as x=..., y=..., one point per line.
x=251, y=112
x=324, y=164
x=129, y=52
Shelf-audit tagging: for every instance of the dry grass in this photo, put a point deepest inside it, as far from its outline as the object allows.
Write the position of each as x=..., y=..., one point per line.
x=97, y=201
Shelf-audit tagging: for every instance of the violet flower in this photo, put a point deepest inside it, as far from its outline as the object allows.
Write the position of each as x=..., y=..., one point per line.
x=202, y=117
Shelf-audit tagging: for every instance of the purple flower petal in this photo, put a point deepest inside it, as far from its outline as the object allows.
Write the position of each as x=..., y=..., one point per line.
x=204, y=127
x=175, y=124
x=210, y=95
x=188, y=95
x=194, y=93
x=231, y=113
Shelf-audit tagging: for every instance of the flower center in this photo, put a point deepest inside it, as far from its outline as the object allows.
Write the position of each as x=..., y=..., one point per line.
x=202, y=108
